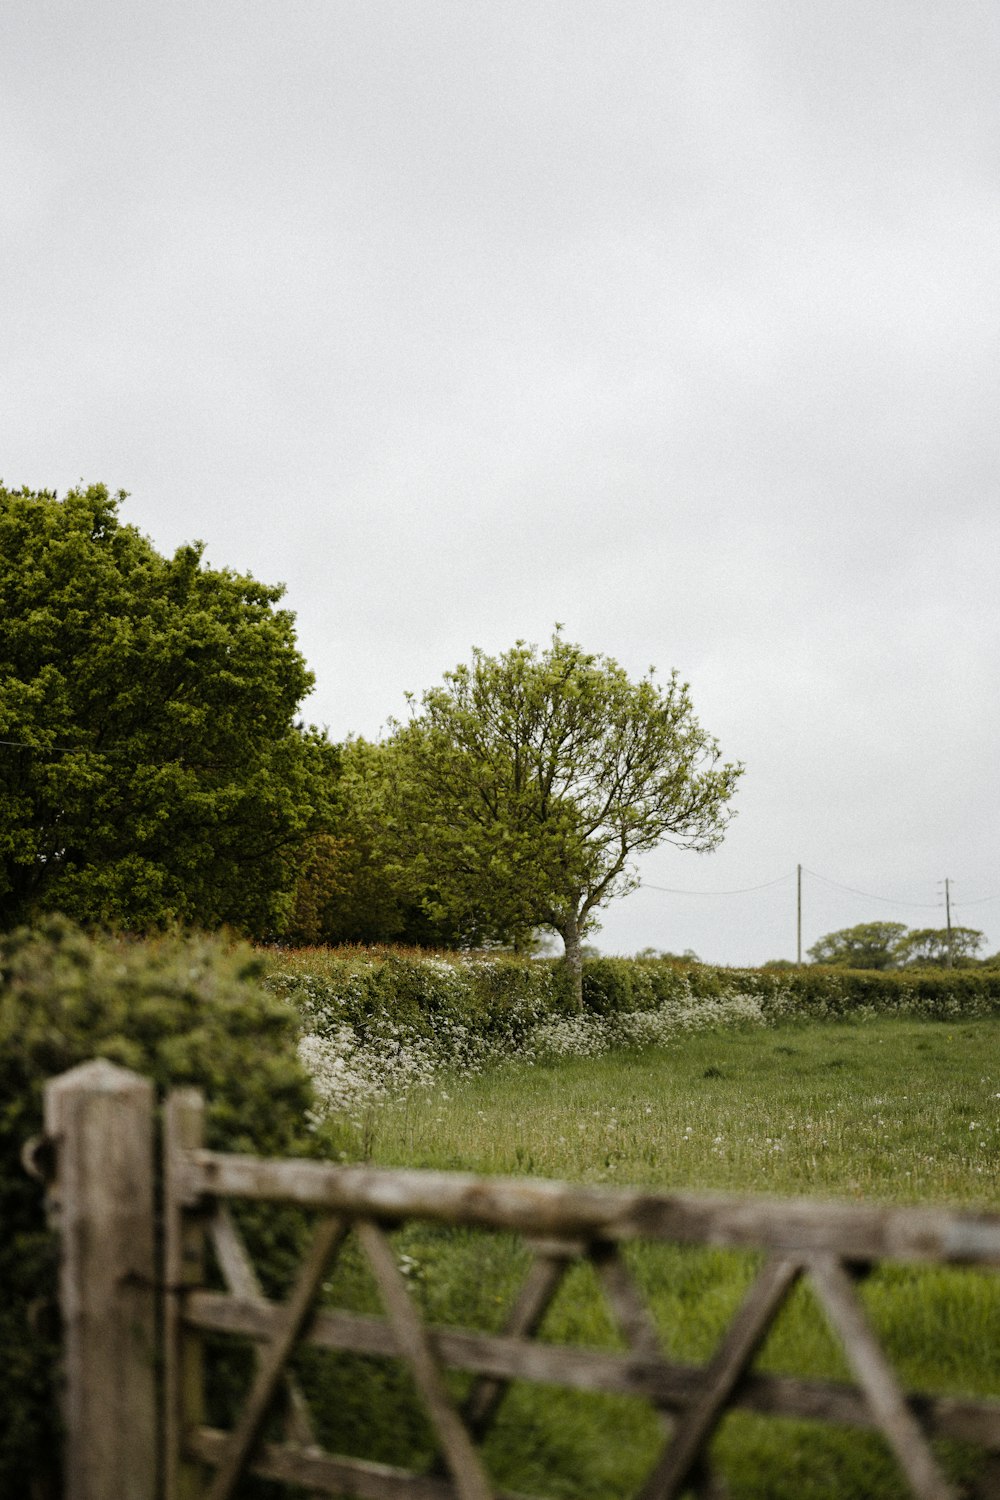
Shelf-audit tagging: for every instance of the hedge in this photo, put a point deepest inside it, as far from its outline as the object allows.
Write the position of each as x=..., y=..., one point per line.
x=499, y=996
x=178, y=1011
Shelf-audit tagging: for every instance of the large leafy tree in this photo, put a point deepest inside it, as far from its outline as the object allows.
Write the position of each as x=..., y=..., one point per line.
x=936, y=947
x=869, y=945
x=527, y=783
x=151, y=769
x=893, y=945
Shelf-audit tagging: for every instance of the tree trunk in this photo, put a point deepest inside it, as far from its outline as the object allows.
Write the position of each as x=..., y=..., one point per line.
x=569, y=931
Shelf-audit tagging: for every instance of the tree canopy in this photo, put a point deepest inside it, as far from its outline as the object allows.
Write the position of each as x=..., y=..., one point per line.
x=526, y=783
x=934, y=947
x=151, y=769
x=356, y=884
x=893, y=945
x=869, y=945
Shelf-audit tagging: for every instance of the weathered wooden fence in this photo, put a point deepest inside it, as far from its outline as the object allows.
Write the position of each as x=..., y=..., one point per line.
x=101, y=1120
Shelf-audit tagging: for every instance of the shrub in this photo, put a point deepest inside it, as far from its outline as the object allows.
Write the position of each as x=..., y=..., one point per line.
x=816, y=992
x=428, y=996
x=176, y=1010
x=607, y=985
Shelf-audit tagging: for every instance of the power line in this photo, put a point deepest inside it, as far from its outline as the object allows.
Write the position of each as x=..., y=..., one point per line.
x=870, y=895
x=744, y=890
x=673, y=890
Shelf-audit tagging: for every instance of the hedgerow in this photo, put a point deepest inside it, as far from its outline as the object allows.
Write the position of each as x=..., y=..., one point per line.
x=816, y=992
x=377, y=1022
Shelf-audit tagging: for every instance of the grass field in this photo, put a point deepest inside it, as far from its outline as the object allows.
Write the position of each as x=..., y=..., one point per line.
x=897, y=1110
x=888, y=1110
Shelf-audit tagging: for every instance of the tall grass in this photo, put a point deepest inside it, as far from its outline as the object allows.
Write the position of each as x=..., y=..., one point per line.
x=893, y=1110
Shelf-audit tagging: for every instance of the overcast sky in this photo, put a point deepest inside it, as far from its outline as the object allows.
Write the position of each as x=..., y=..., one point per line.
x=678, y=323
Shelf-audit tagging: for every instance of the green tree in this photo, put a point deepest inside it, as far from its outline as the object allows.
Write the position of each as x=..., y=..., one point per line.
x=526, y=783
x=869, y=945
x=353, y=885
x=151, y=771
x=930, y=947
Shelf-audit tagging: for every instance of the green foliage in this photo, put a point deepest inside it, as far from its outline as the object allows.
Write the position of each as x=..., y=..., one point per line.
x=156, y=774
x=892, y=945
x=869, y=945
x=935, y=946
x=353, y=885
x=499, y=998
x=617, y=986
x=608, y=985
x=177, y=1011
x=818, y=992
x=526, y=783
x=495, y=997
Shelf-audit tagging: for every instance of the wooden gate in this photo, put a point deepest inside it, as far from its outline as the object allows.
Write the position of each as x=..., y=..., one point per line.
x=830, y=1245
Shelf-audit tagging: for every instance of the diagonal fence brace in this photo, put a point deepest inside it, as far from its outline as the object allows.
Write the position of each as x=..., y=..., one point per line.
x=877, y=1379
x=722, y=1376
x=459, y=1452
x=241, y=1279
x=545, y=1276
x=636, y=1325
x=329, y=1237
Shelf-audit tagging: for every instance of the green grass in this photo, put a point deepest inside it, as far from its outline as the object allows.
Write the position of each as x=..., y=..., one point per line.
x=880, y=1110
x=894, y=1111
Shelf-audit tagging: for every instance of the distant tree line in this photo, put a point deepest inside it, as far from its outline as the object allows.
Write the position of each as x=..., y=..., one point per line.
x=893, y=945
x=154, y=772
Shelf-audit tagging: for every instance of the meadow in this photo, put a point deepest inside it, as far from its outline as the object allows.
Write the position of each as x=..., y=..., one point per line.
x=894, y=1110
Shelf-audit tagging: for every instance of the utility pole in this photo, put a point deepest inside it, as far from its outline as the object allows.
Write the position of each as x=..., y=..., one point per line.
x=947, y=909
x=798, y=882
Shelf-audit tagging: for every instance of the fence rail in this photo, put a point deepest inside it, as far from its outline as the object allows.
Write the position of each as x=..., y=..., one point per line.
x=538, y=1207
x=831, y=1246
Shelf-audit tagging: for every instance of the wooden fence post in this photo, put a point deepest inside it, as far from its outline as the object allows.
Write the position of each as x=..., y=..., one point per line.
x=101, y=1119
x=184, y=1269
